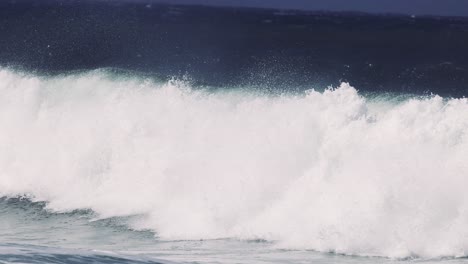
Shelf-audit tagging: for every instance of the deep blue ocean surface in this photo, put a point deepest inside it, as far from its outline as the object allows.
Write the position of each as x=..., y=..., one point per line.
x=137, y=132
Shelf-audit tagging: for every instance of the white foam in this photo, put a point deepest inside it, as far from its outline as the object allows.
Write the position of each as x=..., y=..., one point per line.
x=327, y=171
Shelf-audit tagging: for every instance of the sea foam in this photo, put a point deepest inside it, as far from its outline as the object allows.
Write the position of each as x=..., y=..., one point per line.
x=328, y=171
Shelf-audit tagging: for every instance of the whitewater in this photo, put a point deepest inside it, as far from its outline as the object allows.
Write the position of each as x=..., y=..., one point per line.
x=330, y=170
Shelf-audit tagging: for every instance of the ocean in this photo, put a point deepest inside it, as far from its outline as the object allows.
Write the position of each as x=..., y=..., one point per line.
x=141, y=132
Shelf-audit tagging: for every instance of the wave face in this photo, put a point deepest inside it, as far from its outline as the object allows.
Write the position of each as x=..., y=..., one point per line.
x=18, y=254
x=328, y=171
x=12, y=253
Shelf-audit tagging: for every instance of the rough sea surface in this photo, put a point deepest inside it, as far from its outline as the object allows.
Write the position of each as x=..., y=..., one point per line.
x=136, y=132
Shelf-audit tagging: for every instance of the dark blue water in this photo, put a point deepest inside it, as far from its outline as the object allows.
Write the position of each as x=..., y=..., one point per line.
x=233, y=46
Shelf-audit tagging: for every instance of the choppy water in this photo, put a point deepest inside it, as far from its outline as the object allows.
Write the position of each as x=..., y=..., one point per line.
x=132, y=132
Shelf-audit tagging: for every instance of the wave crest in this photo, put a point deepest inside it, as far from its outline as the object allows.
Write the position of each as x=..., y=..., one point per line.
x=330, y=171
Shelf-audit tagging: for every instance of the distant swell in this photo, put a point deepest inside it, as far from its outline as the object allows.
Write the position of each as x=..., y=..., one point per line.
x=328, y=171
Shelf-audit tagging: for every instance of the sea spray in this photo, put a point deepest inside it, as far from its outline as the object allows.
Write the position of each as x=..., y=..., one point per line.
x=328, y=171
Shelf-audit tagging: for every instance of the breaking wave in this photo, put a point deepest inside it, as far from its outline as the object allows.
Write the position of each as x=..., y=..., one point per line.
x=328, y=171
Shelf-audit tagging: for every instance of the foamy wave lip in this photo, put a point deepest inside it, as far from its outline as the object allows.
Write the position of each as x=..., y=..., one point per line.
x=328, y=171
